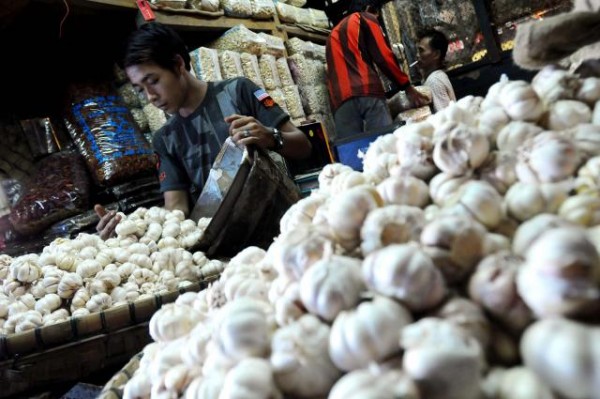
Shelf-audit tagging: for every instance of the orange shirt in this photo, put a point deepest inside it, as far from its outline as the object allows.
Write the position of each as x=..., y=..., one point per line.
x=354, y=46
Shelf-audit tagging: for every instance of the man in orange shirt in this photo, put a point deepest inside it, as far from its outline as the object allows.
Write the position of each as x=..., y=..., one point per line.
x=356, y=45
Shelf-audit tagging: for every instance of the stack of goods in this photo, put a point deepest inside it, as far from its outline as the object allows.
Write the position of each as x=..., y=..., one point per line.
x=292, y=13
x=73, y=278
x=470, y=244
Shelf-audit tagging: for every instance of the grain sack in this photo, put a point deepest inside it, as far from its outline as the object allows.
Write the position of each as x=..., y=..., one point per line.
x=268, y=71
x=275, y=45
x=237, y=8
x=231, y=64
x=263, y=9
x=251, y=69
x=240, y=39
x=293, y=101
x=205, y=63
x=283, y=69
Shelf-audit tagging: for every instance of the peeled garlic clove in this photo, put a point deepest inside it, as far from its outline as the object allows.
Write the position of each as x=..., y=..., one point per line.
x=565, y=114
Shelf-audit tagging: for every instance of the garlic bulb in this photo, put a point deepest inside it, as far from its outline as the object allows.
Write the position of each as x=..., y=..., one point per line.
x=126, y=227
x=554, y=350
x=66, y=262
x=523, y=201
x=206, y=387
x=491, y=121
x=455, y=244
x=588, y=176
x=99, y=302
x=349, y=213
x=394, y=224
x=88, y=253
x=329, y=172
x=381, y=384
x=80, y=312
x=415, y=153
x=241, y=330
x=178, y=378
x=29, y=320
x=515, y=383
x=57, y=316
x=452, y=114
x=285, y=297
x=583, y=209
x=346, y=180
x=302, y=212
x=171, y=230
x=16, y=308
x=443, y=361
x=240, y=286
x=300, y=353
x=14, y=288
x=331, y=285
x=48, y=304
x=468, y=316
x=69, y=283
x=499, y=170
x=251, y=378
x=547, y=157
x=5, y=261
x=529, y=232
x=565, y=114
x=25, y=269
x=587, y=139
x=139, y=386
x=407, y=190
x=81, y=297
x=4, y=304
x=561, y=274
x=589, y=92
x=88, y=268
x=406, y=273
x=514, y=134
x=480, y=201
x=461, y=151
x=296, y=251
x=51, y=280
x=141, y=276
x=443, y=186
x=553, y=84
x=493, y=286
x=520, y=101
x=367, y=334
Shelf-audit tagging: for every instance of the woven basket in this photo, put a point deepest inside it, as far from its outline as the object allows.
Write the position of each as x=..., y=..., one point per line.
x=114, y=388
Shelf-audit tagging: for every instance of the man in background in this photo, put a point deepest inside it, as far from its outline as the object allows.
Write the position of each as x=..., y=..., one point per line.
x=431, y=53
x=354, y=47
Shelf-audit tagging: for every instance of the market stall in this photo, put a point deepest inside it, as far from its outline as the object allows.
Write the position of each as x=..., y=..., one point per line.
x=460, y=259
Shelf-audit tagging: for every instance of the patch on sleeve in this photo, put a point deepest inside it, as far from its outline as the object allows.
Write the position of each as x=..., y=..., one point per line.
x=264, y=98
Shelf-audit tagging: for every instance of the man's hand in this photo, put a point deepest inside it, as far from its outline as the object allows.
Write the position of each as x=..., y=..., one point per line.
x=108, y=222
x=247, y=130
x=416, y=97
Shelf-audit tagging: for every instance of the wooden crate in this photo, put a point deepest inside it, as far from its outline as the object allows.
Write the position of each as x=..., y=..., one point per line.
x=76, y=348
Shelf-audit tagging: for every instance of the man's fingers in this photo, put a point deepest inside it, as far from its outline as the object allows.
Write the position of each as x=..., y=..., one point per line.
x=232, y=118
x=100, y=210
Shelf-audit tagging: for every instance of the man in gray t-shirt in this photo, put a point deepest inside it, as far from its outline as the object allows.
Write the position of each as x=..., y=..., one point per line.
x=204, y=114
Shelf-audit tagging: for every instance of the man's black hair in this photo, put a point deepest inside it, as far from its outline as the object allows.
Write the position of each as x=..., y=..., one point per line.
x=437, y=41
x=361, y=5
x=154, y=43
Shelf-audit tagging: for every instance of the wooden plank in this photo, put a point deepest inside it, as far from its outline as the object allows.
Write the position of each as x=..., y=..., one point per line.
x=199, y=23
x=293, y=31
x=107, y=3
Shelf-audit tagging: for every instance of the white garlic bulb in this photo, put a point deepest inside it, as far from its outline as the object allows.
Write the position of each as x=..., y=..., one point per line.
x=28, y=321
x=583, y=209
x=126, y=228
x=331, y=285
x=547, y=157
x=99, y=302
x=51, y=280
x=88, y=253
x=524, y=201
x=589, y=92
x=48, y=304
x=25, y=269
x=300, y=353
x=407, y=190
x=172, y=322
x=69, y=283
x=394, y=224
x=406, y=273
x=461, y=151
x=375, y=383
x=57, y=316
x=354, y=342
x=444, y=185
x=88, y=268
x=588, y=176
x=499, y=170
x=479, y=200
x=251, y=378
x=565, y=114
x=553, y=84
x=587, y=139
x=520, y=101
x=80, y=312
x=529, y=232
x=415, y=153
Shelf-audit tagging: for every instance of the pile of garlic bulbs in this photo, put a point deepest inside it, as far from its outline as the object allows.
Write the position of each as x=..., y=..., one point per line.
x=453, y=267
x=87, y=274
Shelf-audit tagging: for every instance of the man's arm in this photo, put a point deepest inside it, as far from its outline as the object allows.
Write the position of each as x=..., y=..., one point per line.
x=177, y=200
x=295, y=143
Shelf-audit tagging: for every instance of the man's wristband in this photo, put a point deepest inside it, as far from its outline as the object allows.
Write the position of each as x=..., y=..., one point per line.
x=278, y=139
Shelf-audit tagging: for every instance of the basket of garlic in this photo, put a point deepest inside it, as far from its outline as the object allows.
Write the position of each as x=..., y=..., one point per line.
x=87, y=295
x=461, y=264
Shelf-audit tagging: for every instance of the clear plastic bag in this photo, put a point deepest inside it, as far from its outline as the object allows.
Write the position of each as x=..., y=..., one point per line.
x=286, y=12
x=206, y=5
x=231, y=64
x=58, y=189
x=268, y=71
x=293, y=102
x=275, y=45
x=155, y=116
x=302, y=70
x=302, y=16
x=279, y=98
x=205, y=63
x=283, y=69
x=240, y=39
x=318, y=68
x=314, y=51
x=315, y=99
x=42, y=135
x=175, y=4
x=296, y=3
x=237, y=8
x=318, y=18
x=140, y=119
x=129, y=95
x=106, y=135
x=251, y=69
x=263, y=9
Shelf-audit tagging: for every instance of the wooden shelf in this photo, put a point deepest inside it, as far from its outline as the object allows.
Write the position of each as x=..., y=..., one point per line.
x=107, y=3
x=201, y=23
x=294, y=31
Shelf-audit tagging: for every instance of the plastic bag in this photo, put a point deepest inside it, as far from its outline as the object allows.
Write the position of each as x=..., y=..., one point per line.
x=286, y=12
x=237, y=8
x=274, y=45
x=318, y=18
x=175, y=4
x=320, y=74
x=156, y=117
x=206, y=5
x=293, y=102
x=138, y=186
x=4, y=202
x=42, y=135
x=16, y=160
x=268, y=71
x=106, y=135
x=205, y=63
x=240, y=39
x=231, y=64
x=303, y=16
x=279, y=98
x=58, y=189
x=251, y=69
x=140, y=119
x=296, y=3
x=295, y=46
x=83, y=222
x=129, y=95
x=283, y=69
x=13, y=189
x=302, y=70
x=312, y=99
x=262, y=9
x=314, y=51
